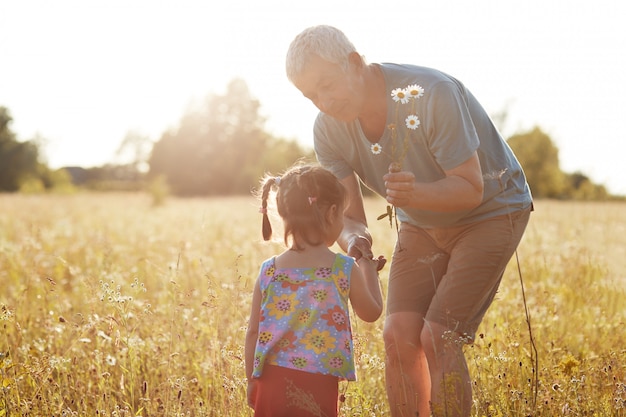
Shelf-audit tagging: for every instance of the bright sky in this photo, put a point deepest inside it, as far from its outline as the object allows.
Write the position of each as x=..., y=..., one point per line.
x=82, y=74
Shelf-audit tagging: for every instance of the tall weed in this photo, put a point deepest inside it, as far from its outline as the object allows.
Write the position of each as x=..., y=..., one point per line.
x=113, y=306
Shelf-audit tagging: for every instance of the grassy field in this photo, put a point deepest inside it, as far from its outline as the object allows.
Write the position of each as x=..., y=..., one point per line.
x=112, y=307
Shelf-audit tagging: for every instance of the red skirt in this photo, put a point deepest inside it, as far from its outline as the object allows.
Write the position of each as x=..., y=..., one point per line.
x=283, y=392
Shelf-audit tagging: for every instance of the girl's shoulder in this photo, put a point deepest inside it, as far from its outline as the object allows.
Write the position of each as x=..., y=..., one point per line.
x=344, y=262
x=268, y=267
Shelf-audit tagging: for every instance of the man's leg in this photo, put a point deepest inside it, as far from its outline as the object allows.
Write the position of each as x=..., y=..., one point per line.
x=451, y=390
x=406, y=370
x=416, y=269
x=479, y=254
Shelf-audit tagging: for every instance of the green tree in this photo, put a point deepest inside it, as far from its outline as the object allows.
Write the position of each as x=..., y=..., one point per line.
x=220, y=147
x=582, y=188
x=540, y=159
x=18, y=160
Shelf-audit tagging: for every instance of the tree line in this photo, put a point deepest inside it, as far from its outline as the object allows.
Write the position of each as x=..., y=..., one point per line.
x=221, y=147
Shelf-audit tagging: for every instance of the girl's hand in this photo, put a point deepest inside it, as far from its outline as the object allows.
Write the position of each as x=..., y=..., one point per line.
x=380, y=262
x=376, y=263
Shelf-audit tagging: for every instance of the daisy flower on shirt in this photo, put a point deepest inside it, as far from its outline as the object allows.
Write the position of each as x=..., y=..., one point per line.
x=412, y=122
x=400, y=95
x=415, y=91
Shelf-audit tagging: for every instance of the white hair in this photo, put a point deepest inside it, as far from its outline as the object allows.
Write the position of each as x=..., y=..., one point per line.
x=327, y=42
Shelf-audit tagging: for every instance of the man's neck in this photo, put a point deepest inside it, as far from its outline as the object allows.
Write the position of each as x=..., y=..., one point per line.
x=374, y=113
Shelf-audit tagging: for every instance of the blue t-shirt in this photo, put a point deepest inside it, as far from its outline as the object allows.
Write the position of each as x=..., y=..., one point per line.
x=452, y=125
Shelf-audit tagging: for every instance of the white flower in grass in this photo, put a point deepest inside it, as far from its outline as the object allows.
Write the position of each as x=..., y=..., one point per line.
x=399, y=94
x=415, y=91
x=376, y=148
x=412, y=122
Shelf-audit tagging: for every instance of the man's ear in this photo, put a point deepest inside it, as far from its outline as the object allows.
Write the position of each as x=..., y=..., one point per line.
x=356, y=61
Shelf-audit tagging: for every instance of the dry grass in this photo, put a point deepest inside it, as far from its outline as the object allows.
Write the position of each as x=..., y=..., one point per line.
x=112, y=307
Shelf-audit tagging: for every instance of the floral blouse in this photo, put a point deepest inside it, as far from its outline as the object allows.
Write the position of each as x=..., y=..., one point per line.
x=305, y=322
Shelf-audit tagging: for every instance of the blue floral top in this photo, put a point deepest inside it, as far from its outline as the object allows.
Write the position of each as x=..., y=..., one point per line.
x=305, y=322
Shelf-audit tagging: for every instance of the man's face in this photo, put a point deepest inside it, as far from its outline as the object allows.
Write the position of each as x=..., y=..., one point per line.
x=330, y=88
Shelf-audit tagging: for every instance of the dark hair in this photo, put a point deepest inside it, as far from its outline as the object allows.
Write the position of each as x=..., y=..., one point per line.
x=304, y=194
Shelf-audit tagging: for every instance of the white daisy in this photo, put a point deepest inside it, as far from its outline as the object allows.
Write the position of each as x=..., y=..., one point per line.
x=399, y=94
x=415, y=91
x=376, y=148
x=412, y=122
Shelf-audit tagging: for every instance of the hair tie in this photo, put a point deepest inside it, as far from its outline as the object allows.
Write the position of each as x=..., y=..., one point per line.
x=277, y=180
x=262, y=210
x=312, y=200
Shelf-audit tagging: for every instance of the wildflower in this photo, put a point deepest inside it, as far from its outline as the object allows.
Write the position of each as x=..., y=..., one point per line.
x=569, y=364
x=110, y=360
x=412, y=122
x=399, y=94
x=376, y=148
x=415, y=91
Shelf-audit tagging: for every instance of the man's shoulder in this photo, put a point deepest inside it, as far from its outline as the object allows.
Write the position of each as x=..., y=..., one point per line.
x=409, y=73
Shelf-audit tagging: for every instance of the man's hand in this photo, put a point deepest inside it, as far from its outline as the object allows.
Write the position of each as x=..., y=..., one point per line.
x=360, y=247
x=400, y=187
x=460, y=189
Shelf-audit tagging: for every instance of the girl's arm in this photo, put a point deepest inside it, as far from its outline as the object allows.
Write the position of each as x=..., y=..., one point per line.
x=251, y=337
x=365, y=294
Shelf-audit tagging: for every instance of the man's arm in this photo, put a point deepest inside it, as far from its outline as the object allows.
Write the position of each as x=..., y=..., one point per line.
x=461, y=189
x=355, y=238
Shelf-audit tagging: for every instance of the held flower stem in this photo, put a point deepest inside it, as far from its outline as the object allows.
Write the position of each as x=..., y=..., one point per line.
x=400, y=96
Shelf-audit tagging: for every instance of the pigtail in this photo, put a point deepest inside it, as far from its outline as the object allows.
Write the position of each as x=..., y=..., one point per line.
x=266, y=227
x=267, y=187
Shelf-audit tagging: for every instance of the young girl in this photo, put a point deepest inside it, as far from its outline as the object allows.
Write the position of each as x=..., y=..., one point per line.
x=299, y=338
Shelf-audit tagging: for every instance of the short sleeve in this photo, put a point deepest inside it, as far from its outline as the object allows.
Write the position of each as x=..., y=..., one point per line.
x=451, y=133
x=326, y=152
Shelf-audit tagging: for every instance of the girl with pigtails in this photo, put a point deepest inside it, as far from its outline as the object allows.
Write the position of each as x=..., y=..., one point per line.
x=299, y=339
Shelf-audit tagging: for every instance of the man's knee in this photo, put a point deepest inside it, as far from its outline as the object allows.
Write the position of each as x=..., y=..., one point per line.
x=401, y=334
